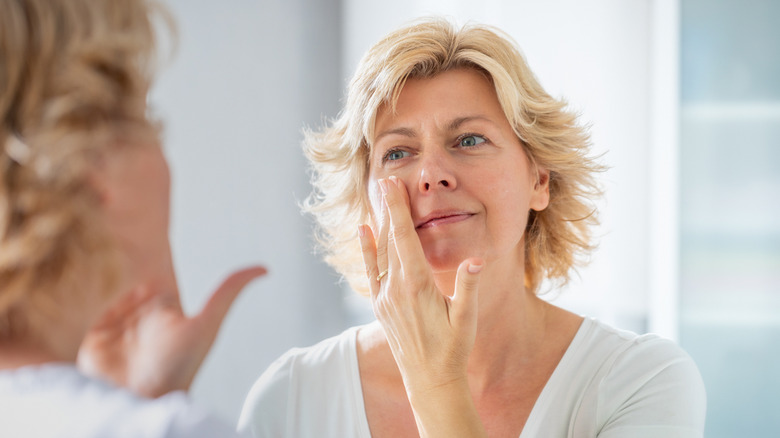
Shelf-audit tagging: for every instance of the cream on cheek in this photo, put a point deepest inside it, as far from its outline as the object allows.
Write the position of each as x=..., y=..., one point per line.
x=374, y=193
x=375, y=199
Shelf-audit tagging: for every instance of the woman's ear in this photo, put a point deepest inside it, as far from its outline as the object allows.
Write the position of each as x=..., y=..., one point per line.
x=540, y=198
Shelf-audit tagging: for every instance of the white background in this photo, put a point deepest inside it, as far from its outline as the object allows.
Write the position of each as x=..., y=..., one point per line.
x=250, y=74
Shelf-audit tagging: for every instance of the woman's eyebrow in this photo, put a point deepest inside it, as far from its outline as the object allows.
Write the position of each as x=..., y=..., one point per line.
x=406, y=132
x=453, y=125
x=457, y=122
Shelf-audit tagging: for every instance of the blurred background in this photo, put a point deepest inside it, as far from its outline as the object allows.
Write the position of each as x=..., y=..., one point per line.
x=683, y=100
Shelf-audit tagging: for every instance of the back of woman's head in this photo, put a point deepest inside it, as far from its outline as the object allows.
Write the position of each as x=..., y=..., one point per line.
x=73, y=75
x=555, y=237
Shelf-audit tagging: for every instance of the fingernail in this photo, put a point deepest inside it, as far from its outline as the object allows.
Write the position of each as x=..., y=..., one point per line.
x=394, y=179
x=474, y=269
x=361, y=231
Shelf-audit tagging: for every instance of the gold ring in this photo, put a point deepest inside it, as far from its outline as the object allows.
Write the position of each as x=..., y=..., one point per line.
x=381, y=275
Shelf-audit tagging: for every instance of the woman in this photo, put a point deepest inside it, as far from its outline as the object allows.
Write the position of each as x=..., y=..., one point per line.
x=86, y=273
x=476, y=186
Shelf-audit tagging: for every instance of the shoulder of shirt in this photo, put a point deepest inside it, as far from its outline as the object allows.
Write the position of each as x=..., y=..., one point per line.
x=112, y=408
x=332, y=350
x=313, y=371
x=301, y=365
x=647, y=371
x=631, y=360
x=631, y=347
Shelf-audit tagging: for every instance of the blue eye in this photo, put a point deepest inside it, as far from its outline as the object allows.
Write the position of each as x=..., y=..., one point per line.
x=395, y=154
x=471, y=140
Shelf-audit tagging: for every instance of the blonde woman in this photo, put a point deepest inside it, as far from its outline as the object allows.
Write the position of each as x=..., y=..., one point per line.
x=86, y=274
x=448, y=189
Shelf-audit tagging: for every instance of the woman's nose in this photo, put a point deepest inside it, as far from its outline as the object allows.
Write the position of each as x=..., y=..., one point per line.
x=436, y=174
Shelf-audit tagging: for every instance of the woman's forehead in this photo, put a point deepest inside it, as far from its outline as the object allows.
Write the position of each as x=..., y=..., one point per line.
x=450, y=99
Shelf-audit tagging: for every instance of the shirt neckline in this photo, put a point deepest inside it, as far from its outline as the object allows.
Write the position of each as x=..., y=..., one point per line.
x=565, y=362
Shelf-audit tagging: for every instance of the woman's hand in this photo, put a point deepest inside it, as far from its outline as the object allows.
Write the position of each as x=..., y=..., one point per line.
x=146, y=343
x=430, y=333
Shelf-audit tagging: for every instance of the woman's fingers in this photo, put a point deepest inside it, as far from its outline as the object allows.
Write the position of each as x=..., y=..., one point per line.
x=381, y=254
x=216, y=308
x=403, y=235
x=383, y=222
x=369, y=251
x=464, y=303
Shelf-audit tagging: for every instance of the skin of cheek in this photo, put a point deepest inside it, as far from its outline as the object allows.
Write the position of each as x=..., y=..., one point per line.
x=512, y=224
x=497, y=232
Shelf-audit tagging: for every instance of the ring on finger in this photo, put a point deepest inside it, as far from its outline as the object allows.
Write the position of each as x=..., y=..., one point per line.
x=381, y=275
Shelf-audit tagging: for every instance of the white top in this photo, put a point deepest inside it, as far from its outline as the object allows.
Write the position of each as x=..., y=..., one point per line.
x=56, y=400
x=609, y=383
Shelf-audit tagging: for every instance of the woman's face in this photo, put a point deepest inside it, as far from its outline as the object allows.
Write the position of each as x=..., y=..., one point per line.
x=469, y=181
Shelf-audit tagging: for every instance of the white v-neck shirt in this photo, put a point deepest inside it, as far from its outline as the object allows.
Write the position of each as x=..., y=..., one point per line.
x=609, y=383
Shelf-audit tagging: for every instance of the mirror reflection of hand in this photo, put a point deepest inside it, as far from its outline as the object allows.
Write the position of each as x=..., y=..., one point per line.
x=146, y=343
x=430, y=333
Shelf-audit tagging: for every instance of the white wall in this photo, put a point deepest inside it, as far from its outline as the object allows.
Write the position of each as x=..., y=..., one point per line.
x=247, y=76
x=250, y=74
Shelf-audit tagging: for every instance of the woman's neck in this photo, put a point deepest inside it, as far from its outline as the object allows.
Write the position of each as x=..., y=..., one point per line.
x=155, y=270
x=514, y=325
x=512, y=331
x=20, y=353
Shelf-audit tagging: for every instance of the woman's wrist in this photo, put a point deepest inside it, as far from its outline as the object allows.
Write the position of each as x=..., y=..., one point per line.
x=445, y=409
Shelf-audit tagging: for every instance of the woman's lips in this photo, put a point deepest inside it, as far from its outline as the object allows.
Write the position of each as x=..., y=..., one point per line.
x=444, y=220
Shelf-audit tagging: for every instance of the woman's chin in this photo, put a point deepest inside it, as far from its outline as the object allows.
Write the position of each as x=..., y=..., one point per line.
x=444, y=263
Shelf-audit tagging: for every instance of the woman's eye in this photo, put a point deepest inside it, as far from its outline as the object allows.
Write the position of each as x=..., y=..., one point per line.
x=471, y=140
x=395, y=154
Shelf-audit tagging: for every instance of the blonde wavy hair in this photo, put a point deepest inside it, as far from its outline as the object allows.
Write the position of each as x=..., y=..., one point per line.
x=557, y=238
x=74, y=75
